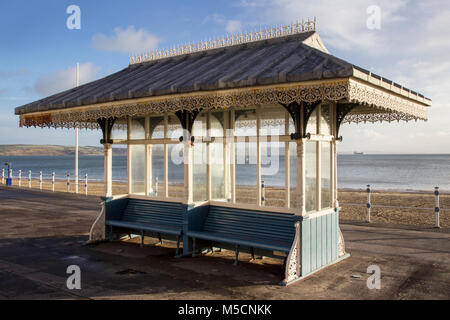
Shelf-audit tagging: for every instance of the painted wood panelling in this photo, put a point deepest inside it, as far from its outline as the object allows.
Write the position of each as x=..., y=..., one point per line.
x=319, y=242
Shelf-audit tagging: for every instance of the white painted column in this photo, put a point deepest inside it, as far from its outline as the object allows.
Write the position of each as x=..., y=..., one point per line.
x=226, y=155
x=232, y=157
x=129, y=177
x=188, y=162
x=208, y=157
x=76, y=135
x=166, y=157
x=258, y=157
x=287, y=163
x=301, y=181
x=334, y=152
x=108, y=169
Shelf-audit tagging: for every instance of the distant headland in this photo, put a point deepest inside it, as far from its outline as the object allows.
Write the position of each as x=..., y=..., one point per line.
x=49, y=150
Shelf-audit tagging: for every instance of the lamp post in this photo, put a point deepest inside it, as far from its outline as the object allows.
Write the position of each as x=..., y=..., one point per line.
x=76, y=135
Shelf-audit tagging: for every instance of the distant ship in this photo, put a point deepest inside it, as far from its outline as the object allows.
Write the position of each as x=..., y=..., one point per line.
x=358, y=153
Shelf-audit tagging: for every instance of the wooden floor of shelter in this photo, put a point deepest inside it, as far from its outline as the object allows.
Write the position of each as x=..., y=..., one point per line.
x=41, y=234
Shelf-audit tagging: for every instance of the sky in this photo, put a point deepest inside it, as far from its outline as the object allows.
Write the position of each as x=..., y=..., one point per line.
x=408, y=43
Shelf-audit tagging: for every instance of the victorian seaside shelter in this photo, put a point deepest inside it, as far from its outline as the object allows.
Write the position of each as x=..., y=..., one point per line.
x=207, y=106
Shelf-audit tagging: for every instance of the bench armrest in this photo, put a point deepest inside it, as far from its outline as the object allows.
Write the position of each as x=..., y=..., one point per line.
x=114, y=208
x=195, y=217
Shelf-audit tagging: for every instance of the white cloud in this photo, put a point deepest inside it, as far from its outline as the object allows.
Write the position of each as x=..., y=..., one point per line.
x=233, y=26
x=62, y=80
x=129, y=40
x=342, y=23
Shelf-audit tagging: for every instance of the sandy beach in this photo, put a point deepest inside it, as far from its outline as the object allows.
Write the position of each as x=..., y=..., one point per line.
x=411, y=208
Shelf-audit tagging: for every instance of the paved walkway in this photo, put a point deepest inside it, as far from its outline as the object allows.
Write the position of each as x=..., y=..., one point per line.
x=41, y=234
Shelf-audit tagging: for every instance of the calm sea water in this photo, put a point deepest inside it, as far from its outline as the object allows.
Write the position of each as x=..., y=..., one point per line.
x=387, y=172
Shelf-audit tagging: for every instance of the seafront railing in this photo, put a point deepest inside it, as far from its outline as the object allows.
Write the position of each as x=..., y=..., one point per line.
x=369, y=205
x=54, y=182
x=65, y=183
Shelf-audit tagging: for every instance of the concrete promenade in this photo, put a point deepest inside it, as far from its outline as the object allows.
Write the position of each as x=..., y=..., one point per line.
x=41, y=234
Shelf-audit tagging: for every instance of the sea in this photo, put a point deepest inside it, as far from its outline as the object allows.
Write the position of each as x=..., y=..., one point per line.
x=389, y=172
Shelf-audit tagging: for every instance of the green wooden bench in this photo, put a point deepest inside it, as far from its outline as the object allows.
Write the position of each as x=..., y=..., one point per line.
x=141, y=216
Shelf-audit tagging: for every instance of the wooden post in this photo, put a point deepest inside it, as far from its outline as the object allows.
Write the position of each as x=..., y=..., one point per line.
x=232, y=157
x=166, y=156
x=287, y=162
x=258, y=156
x=188, y=162
x=208, y=157
x=20, y=178
x=148, y=159
x=129, y=169
x=29, y=179
x=301, y=183
x=108, y=169
x=40, y=180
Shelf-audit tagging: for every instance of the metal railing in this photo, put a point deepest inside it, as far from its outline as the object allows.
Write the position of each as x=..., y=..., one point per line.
x=53, y=178
x=370, y=205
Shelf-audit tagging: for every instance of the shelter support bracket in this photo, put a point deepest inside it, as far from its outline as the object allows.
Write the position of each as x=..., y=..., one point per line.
x=342, y=110
x=293, y=264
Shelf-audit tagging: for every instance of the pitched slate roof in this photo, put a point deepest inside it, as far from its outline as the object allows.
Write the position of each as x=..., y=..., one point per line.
x=266, y=62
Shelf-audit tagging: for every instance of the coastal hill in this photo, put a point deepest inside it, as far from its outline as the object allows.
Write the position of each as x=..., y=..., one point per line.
x=48, y=150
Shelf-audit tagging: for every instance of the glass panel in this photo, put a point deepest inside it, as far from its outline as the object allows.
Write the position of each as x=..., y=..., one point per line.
x=217, y=170
x=246, y=188
x=311, y=176
x=293, y=173
x=325, y=121
x=325, y=171
x=119, y=130
x=311, y=127
x=199, y=161
x=157, y=170
x=217, y=124
x=245, y=123
x=176, y=170
x=119, y=170
x=273, y=121
x=217, y=157
x=157, y=127
x=137, y=169
x=273, y=173
x=175, y=129
x=137, y=128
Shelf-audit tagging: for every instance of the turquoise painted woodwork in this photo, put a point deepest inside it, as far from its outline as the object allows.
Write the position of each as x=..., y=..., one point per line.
x=319, y=242
x=145, y=215
x=240, y=227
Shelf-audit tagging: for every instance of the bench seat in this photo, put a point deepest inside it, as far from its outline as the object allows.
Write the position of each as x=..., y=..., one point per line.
x=166, y=229
x=235, y=239
x=145, y=216
x=254, y=229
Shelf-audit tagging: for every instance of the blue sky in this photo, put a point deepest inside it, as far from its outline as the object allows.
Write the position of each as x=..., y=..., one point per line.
x=38, y=53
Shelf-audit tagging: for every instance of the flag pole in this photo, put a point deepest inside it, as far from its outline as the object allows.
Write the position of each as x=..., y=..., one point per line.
x=76, y=134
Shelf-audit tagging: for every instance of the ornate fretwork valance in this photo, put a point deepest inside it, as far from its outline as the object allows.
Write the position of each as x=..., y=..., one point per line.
x=385, y=105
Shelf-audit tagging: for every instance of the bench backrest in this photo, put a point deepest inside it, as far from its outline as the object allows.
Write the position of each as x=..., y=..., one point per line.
x=250, y=223
x=153, y=212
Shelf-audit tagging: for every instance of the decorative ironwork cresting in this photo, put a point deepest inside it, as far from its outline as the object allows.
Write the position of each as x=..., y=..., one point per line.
x=229, y=40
